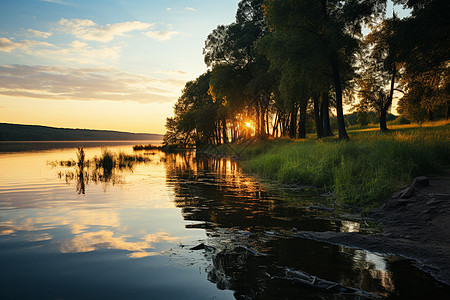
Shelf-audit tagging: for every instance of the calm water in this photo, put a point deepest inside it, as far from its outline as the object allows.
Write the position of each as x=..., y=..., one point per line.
x=175, y=226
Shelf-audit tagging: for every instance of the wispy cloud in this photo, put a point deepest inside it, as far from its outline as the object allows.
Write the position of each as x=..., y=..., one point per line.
x=7, y=45
x=88, y=84
x=89, y=30
x=161, y=35
x=81, y=53
x=40, y=33
x=76, y=51
x=190, y=9
x=172, y=72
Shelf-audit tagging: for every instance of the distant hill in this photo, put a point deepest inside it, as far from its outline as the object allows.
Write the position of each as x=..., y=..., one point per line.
x=15, y=132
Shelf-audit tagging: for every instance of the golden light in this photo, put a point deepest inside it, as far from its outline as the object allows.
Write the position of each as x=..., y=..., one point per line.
x=248, y=124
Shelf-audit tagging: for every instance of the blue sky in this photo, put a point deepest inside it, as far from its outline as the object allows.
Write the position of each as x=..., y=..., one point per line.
x=101, y=64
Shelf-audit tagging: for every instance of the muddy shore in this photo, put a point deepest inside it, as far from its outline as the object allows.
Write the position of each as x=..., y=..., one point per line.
x=416, y=222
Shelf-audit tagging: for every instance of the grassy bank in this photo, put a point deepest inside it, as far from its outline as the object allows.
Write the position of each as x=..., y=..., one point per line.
x=363, y=171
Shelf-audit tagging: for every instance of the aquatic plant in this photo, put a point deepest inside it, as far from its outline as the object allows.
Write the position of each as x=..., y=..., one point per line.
x=106, y=168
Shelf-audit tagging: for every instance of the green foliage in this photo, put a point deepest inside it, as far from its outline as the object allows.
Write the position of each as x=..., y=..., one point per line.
x=364, y=171
x=195, y=114
x=423, y=42
x=278, y=56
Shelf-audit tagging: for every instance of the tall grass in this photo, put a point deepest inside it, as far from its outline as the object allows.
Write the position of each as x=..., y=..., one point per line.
x=363, y=171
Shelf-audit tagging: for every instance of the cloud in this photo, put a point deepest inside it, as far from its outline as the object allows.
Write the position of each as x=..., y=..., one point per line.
x=162, y=35
x=89, y=30
x=172, y=72
x=81, y=53
x=6, y=45
x=40, y=33
x=169, y=8
x=76, y=51
x=190, y=9
x=87, y=84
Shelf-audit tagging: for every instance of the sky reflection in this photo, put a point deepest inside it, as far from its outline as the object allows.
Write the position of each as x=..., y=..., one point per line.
x=149, y=224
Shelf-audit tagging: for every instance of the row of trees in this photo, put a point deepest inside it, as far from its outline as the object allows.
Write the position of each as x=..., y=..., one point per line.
x=284, y=62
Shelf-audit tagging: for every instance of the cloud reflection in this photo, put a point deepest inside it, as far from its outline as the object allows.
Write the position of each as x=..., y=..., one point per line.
x=105, y=239
x=81, y=224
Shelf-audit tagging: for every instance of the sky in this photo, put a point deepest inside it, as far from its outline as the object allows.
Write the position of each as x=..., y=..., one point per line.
x=103, y=64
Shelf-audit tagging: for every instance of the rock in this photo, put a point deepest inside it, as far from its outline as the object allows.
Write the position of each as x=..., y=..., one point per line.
x=399, y=193
x=198, y=247
x=418, y=182
x=421, y=181
x=203, y=247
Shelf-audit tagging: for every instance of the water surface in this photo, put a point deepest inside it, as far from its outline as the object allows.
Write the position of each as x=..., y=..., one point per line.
x=175, y=226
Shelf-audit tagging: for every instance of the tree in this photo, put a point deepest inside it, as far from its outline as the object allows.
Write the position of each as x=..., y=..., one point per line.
x=320, y=40
x=196, y=115
x=379, y=63
x=424, y=47
x=230, y=51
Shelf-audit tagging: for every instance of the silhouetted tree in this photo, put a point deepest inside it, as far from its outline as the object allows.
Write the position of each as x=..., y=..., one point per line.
x=230, y=52
x=319, y=38
x=424, y=46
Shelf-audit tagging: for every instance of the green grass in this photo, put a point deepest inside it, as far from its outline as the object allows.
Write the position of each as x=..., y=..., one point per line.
x=364, y=171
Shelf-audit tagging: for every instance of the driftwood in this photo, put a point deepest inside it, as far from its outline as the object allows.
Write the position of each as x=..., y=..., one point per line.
x=319, y=283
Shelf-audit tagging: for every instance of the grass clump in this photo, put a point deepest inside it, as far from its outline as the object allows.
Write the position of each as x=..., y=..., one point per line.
x=363, y=171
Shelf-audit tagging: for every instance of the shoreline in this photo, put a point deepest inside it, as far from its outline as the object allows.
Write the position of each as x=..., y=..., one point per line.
x=416, y=227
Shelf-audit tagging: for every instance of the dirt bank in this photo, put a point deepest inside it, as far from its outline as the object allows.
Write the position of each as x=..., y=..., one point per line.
x=416, y=223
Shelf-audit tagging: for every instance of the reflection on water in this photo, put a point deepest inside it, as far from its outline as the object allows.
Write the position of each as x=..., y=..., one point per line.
x=108, y=168
x=174, y=226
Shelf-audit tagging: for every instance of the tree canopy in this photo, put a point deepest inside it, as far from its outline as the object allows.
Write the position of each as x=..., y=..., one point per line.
x=284, y=65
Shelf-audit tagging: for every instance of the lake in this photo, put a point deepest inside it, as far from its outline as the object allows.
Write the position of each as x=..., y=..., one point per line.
x=175, y=226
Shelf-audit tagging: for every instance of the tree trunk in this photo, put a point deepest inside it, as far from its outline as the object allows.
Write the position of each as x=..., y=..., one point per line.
x=302, y=121
x=317, y=118
x=326, y=115
x=383, y=125
x=275, y=126
x=262, y=122
x=293, y=122
x=340, y=111
x=258, y=120
x=224, y=131
x=218, y=133
x=285, y=127
x=385, y=108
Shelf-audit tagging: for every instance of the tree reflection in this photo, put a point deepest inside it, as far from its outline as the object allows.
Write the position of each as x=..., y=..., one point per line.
x=252, y=235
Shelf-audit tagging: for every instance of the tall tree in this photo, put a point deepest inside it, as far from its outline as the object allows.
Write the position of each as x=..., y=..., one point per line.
x=424, y=46
x=196, y=115
x=379, y=64
x=322, y=34
x=232, y=47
